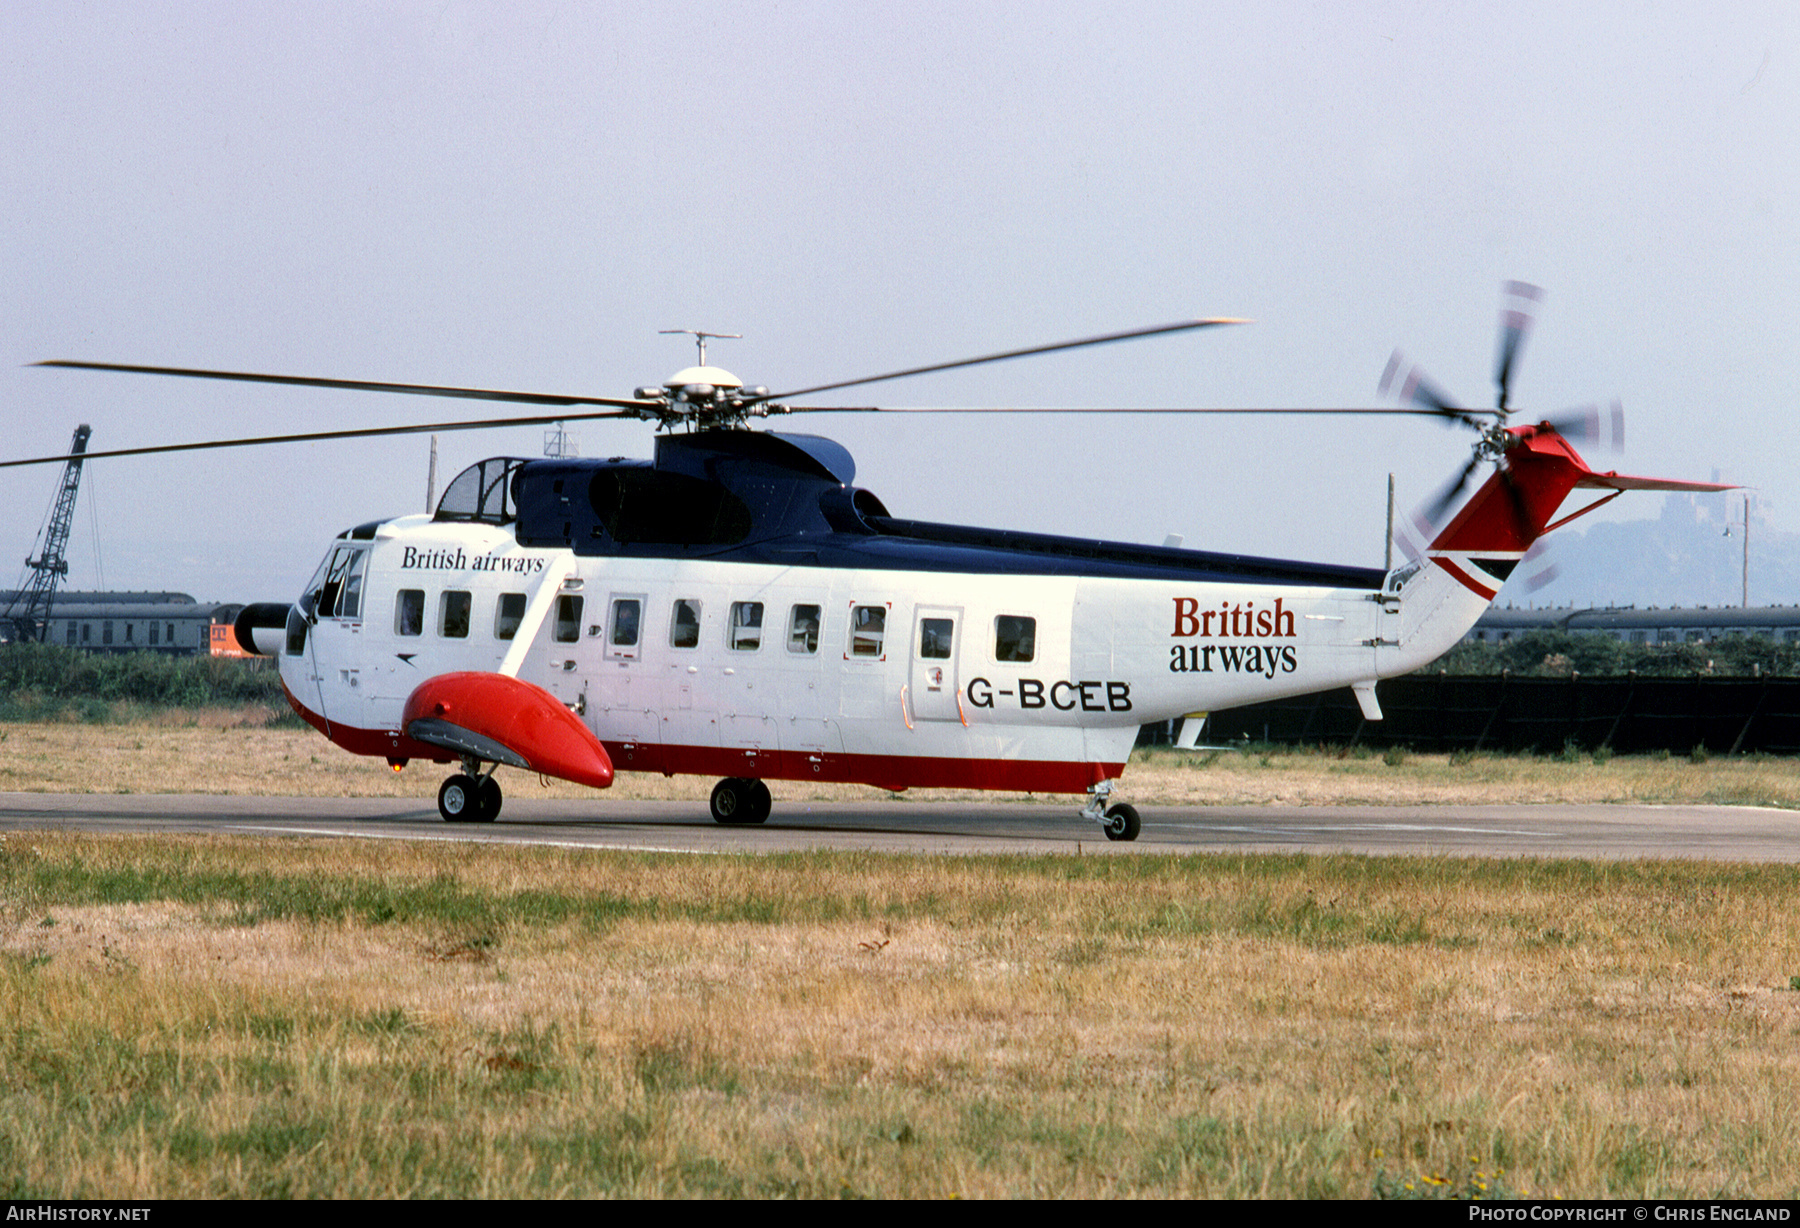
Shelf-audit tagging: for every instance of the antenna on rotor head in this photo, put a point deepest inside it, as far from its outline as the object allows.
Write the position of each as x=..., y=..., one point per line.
x=700, y=338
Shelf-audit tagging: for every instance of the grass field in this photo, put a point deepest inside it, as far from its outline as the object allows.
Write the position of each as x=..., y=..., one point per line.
x=197, y=1017
x=205, y=1017
x=233, y=751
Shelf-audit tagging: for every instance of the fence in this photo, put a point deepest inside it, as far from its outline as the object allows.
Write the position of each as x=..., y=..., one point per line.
x=1444, y=713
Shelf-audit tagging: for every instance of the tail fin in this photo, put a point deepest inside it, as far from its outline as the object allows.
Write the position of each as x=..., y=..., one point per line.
x=1482, y=545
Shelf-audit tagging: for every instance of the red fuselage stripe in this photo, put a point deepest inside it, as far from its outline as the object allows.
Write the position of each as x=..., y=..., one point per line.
x=895, y=772
x=1466, y=580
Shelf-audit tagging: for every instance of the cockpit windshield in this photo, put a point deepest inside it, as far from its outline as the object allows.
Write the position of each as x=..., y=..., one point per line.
x=335, y=591
x=482, y=493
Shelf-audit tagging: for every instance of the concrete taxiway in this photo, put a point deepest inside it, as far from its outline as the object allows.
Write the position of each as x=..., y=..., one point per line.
x=1725, y=833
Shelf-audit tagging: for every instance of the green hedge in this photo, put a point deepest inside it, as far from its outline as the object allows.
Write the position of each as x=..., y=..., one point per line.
x=51, y=672
x=1594, y=654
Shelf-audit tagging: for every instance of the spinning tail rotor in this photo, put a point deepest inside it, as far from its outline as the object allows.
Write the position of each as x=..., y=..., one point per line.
x=1484, y=538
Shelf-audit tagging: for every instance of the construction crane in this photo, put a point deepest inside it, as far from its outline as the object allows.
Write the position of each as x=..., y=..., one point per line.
x=29, y=613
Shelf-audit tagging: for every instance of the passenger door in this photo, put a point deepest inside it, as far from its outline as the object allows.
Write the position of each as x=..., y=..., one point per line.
x=935, y=648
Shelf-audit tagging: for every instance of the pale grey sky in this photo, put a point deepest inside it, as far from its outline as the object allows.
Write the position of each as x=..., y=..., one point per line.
x=520, y=195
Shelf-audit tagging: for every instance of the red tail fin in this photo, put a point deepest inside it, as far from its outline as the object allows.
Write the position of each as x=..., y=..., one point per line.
x=1513, y=508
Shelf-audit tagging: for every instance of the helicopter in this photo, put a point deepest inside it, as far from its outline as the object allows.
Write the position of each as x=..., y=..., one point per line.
x=737, y=607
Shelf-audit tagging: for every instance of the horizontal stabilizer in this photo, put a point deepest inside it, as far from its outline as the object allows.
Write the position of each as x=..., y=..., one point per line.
x=1622, y=481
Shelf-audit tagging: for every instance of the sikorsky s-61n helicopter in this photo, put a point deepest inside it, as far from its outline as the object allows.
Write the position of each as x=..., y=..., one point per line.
x=736, y=608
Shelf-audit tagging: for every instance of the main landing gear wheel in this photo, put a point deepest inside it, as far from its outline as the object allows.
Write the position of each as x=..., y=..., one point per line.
x=488, y=798
x=737, y=800
x=459, y=799
x=468, y=799
x=1122, y=822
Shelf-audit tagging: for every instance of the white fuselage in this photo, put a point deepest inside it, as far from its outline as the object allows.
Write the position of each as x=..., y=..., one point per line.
x=889, y=677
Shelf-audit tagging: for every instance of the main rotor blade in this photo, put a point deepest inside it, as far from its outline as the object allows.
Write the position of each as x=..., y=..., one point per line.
x=1106, y=339
x=1406, y=410
x=308, y=381
x=316, y=436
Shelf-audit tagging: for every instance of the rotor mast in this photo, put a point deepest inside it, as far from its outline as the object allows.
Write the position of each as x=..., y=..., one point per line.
x=29, y=612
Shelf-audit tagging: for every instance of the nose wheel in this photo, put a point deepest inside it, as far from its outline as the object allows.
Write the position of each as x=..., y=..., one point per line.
x=466, y=798
x=739, y=800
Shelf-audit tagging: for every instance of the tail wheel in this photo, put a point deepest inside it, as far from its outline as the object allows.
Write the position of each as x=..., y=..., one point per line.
x=1122, y=822
x=459, y=799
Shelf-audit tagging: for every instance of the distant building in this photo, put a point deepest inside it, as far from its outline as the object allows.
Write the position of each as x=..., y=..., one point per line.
x=1645, y=626
x=172, y=623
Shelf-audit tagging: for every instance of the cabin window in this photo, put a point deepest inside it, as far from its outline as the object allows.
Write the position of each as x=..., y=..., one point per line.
x=935, y=635
x=684, y=623
x=509, y=612
x=1015, y=638
x=868, y=626
x=746, y=626
x=409, y=612
x=568, y=618
x=627, y=619
x=453, y=614
x=803, y=629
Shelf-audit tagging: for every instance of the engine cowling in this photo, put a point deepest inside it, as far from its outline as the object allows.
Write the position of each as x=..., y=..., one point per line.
x=503, y=720
x=260, y=627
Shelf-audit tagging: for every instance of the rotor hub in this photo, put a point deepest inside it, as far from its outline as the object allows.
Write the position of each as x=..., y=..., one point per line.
x=705, y=396
x=718, y=377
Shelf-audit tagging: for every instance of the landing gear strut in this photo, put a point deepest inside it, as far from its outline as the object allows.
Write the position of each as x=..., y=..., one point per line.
x=737, y=799
x=470, y=797
x=1119, y=823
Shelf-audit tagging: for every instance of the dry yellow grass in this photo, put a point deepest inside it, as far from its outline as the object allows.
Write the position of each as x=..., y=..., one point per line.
x=511, y=1022
x=230, y=752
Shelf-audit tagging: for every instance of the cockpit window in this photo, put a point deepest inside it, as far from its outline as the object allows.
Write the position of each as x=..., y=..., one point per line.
x=482, y=493
x=336, y=588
